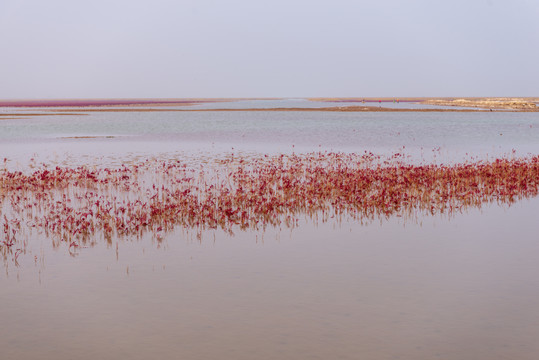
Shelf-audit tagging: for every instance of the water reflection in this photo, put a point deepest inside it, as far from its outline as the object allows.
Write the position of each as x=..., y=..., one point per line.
x=78, y=207
x=442, y=289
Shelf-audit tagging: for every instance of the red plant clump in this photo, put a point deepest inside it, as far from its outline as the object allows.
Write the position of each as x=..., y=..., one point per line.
x=73, y=205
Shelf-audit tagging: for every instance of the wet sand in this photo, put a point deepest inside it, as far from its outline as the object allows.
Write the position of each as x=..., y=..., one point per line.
x=506, y=103
x=527, y=104
x=321, y=109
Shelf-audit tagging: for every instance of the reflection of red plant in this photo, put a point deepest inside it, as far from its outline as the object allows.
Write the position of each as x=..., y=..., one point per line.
x=74, y=204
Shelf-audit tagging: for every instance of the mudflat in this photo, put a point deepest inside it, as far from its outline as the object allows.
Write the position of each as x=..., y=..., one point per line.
x=489, y=103
x=505, y=103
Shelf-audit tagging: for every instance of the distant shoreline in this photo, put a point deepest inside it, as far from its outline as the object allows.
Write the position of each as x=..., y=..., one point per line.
x=116, y=102
x=64, y=106
x=496, y=103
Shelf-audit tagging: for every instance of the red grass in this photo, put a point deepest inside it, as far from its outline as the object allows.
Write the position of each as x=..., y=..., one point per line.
x=73, y=205
x=95, y=102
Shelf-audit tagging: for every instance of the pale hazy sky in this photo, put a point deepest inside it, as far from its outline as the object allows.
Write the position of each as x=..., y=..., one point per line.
x=288, y=48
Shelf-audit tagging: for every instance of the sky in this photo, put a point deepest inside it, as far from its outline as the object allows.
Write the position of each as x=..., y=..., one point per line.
x=279, y=48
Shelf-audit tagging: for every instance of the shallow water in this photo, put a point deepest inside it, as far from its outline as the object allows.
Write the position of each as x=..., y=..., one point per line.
x=450, y=289
x=463, y=287
x=427, y=136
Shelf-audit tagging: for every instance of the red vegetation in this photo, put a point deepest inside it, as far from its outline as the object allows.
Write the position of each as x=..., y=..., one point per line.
x=93, y=102
x=73, y=205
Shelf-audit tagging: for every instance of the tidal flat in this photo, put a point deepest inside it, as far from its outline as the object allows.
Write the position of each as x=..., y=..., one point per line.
x=269, y=234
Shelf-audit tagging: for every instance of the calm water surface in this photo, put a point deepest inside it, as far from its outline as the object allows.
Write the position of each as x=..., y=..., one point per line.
x=464, y=287
x=453, y=136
